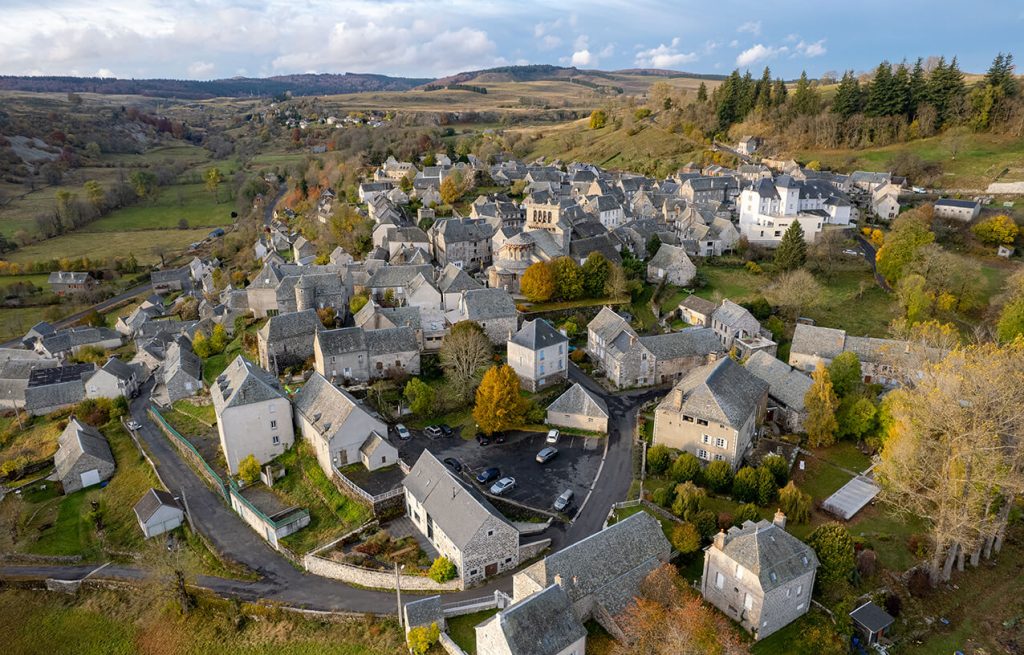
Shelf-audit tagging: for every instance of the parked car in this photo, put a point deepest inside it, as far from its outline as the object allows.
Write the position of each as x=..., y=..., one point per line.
x=403, y=432
x=552, y=436
x=432, y=431
x=446, y=430
x=851, y=252
x=503, y=485
x=482, y=440
x=563, y=500
x=546, y=455
x=499, y=437
x=488, y=474
x=453, y=464
x=134, y=425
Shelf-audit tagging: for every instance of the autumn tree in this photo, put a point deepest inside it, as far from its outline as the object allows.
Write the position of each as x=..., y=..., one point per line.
x=357, y=302
x=328, y=316
x=685, y=538
x=596, y=271
x=792, y=251
x=201, y=345
x=95, y=194
x=420, y=396
x=910, y=232
x=598, y=119
x=249, y=469
x=821, y=404
x=795, y=504
x=538, y=282
x=498, y=403
x=1011, y=320
x=794, y=291
x=422, y=638
x=997, y=230
x=465, y=351
x=451, y=191
x=213, y=178
x=568, y=278
x=218, y=339
x=845, y=373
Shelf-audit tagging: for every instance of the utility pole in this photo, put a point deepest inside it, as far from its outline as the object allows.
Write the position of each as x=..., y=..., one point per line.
x=398, y=591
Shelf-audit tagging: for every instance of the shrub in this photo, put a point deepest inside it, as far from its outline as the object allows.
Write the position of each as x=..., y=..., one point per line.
x=767, y=490
x=689, y=498
x=249, y=469
x=13, y=469
x=867, y=563
x=705, y=521
x=442, y=570
x=795, y=504
x=578, y=355
x=999, y=229
x=834, y=547
x=658, y=459
x=754, y=268
x=662, y=496
x=422, y=638
x=744, y=485
x=718, y=476
x=747, y=512
x=779, y=468
x=686, y=468
x=685, y=538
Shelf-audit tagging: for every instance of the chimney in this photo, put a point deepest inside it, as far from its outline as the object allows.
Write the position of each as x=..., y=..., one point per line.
x=780, y=519
x=719, y=540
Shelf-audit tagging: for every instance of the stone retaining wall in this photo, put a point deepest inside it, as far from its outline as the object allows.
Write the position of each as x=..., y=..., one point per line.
x=532, y=549
x=371, y=578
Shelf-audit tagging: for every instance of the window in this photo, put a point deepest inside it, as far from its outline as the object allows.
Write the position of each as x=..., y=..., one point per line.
x=508, y=559
x=688, y=419
x=276, y=440
x=273, y=409
x=721, y=443
x=799, y=589
x=748, y=602
x=719, y=458
x=702, y=454
x=490, y=533
x=472, y=571
x=739, y=572
x=560, y=346
x=701, y=421
x=273, y=425
x=719, y=580
x=800, y=606
x=705, y=438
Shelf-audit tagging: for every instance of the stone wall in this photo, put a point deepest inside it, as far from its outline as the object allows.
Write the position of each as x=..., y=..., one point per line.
x=533, y=549
x=450, y=646
x=375, y=579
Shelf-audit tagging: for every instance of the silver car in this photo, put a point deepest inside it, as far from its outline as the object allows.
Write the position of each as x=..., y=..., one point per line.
x=563, y=500
x=503, y=485
x=546, y=455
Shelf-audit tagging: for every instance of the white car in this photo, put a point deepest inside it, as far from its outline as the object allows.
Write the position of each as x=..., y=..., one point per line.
x=134, y=425
x=552, y=436
x=403, y=432
x=503, y=485
x=854, y=253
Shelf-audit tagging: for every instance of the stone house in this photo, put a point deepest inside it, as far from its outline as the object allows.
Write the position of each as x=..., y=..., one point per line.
x=580, y=409
x=787, y=388
x=392, y=350
x=464, y=242
x=759, y=575
x=672, y=265
x=730, y=321
x=113, y=379
x=173, y=279
x=286, y=341
x=539, y=355
x=493, y=309
x=158, y=512
x=543, y=624
x=404, y=285
x=182, y=374
x=713, y=412
x=50, y=389
x=957, y=210
x=813, y=345
x=459, y=522
x=451, y=282
x=64, y=343
x=697, y=311
x=303, y=251
x=83, y=457
x=254, y=416
x=341, y=430
x=354, y=355
x=407, y=237
x=14, y=376
x=63, y=283
x=284, y=288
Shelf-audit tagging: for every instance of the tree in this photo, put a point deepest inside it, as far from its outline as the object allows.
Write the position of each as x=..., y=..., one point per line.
x=996, y=230
x=794, y=291
x=249, y=469
x=218, y=339
x=653, y=245
x=744, y=485
x=143, y=183
x=1011, y=320
x=658, y=458
x=568, y=277
x=357, y=302
x=201, y=345
x=686, y=468
x=915, y=299
x=766, y=487
x=795, y=504
x=328, y=316
x=805, y=98
x=498, y=403
x=702, y=93
x=778, y=466
x=538, y=282
x=451, y=191
x=685, y=538
x=188, y=309
x=845, y=373
x=420, y=396
x=95, y=194
x=596, y=271
x=465, y=351
x=855, y=417
x=821, y=405
x=442, y=570
x=422, y=638
x=833, y=545
x=688, y=499
x=598, y=119
x=746, y=512
x=718, y=476
x=910, y=232
x=617, y=285
x=848, y=98
x=792, y=251
x=213, y=180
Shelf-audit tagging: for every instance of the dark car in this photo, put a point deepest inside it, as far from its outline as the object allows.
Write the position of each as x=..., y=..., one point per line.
x=488, y=474
x=432, y=431
x=453, y=464
x=446, y=430
x=482, y=440
x=499, y=437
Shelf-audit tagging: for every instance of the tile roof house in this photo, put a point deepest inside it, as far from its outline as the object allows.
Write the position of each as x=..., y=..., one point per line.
x=543, y=624
x=697, y=311
x=731, y=321
x=759, y=575
x=493, y=309
x=671, y=265
x=50, y=389
x=459, y=521
x=786, y=390
x=713, y=412
x=254, y=417
x=182, y=374
x=286, y=341
x=158, y=512
x=539, y=354
x=602, y=573
x=813, y=345
x=83, y=457
x=579, y=408
x=341, y=430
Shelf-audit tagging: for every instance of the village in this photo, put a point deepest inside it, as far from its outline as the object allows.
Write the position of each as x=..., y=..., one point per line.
x=480, y=391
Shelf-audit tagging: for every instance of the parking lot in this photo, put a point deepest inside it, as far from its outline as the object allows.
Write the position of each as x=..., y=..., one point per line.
x=537, y=485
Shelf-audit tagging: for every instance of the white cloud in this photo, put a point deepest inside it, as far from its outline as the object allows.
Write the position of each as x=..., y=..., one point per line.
x=750, y=27
x=734, y=43
x=549, y=42
x=200, y=69
x=710, y=46
x=607, y=51
x=664, y=56
x=815, y=49
x=582, y=58
x=582, y=42
x=759, y=52
x=105, y=72
x=791, y=38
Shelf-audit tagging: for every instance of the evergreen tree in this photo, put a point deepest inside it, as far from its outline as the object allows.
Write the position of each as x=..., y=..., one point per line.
x=901, y=90
x=747, y=92
x=727, y=97
x=882, y=96
x=763, y=91
x=792, y=250
x=702, y=93
x=1000, y=74
x=779, y=93
x=849, y=98
x=805, y=98
x=945, y=89
x=918, y=87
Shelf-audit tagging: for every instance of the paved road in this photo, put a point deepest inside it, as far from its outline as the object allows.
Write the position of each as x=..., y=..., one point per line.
x=281, y=582
x=268, y=209
x=868, y=251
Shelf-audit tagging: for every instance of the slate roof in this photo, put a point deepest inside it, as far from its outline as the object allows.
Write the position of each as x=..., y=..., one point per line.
x=55, y=375
x=152, y=501
x=872, y=617
x=458, y=510
x=391, y=340
x=79, y=439
x=607, y=325
x=181, y=357
x=786, y=384
x=822, y=342
x=952, y=202
x=699, y=305
x=243, y=383
x=324, y=405
x=721, y=391
x=453, y=279
x=65, y=340
x=668, y=257
x=733, y=315
x=542, y=624
x=685, y=343
x=292, y=324
x=398, y=276
x=484, y=304
x=341, y=340
x=577, y=400
x=68, y=277
x=537, y=334
x=456, y=230
x=769, y=552
x=607, y=244
x=597, y=564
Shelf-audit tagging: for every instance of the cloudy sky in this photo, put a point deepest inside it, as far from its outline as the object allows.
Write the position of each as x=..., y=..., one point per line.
x=205, y=39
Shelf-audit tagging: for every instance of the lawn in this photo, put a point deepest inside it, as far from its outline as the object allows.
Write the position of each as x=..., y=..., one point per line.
x=37, y=441
x=461, y=628
x=15, y=321
x=102, y=245
x=189, y=201
x=641, y=310
x=148, y=620
x=203, y=413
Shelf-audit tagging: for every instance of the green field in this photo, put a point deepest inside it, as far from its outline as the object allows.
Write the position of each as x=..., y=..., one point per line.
x=101, y=245
x=189, y=201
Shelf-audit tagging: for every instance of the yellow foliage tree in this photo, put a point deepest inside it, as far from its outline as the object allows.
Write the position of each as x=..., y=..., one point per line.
x=821, y=404
x=997, y=230
x=538, y=283
x=498, y=403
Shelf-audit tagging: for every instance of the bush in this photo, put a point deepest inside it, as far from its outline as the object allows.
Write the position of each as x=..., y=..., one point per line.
x=442, y=570
x=686, y=468
x=795, y=504
x=779, y=467
x=834, y=547
x=661, y=497
x=249, y=469
x=867, y=564
x=718, y=476
x=744, y=485
x=422, y=638
x=754, y=268
x=689, y=498
x=767, y=490
x=658, y=458
x=747, y=512
x=685, y=538
x=705, y=521
x=578, y=355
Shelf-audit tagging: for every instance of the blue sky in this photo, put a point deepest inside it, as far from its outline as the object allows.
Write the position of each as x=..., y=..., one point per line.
x=205, y=39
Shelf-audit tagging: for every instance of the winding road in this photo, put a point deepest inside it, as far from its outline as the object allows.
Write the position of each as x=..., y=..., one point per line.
x=280, y=581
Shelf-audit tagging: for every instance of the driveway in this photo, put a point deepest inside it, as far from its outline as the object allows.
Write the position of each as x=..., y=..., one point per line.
x=537, y=485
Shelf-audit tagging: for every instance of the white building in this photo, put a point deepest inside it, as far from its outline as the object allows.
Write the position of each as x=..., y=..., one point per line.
x=539, y=354
x=769, y=207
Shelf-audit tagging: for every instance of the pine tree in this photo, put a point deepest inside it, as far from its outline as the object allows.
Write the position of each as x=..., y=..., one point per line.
x=746, y=96
x=849, y=98
x=901, y=90
x=792, y=250
x=821, y=404
x=918, y=87
x=728, y=100
x=805, y=98
x=779, y=93
x=880, y=92
x=763, y=91
x=702, y=93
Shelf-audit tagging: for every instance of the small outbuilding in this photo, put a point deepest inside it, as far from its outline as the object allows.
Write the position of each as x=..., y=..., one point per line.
x=83, y=457
x=871, y=622
x=579, y=408
x=158, y=512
